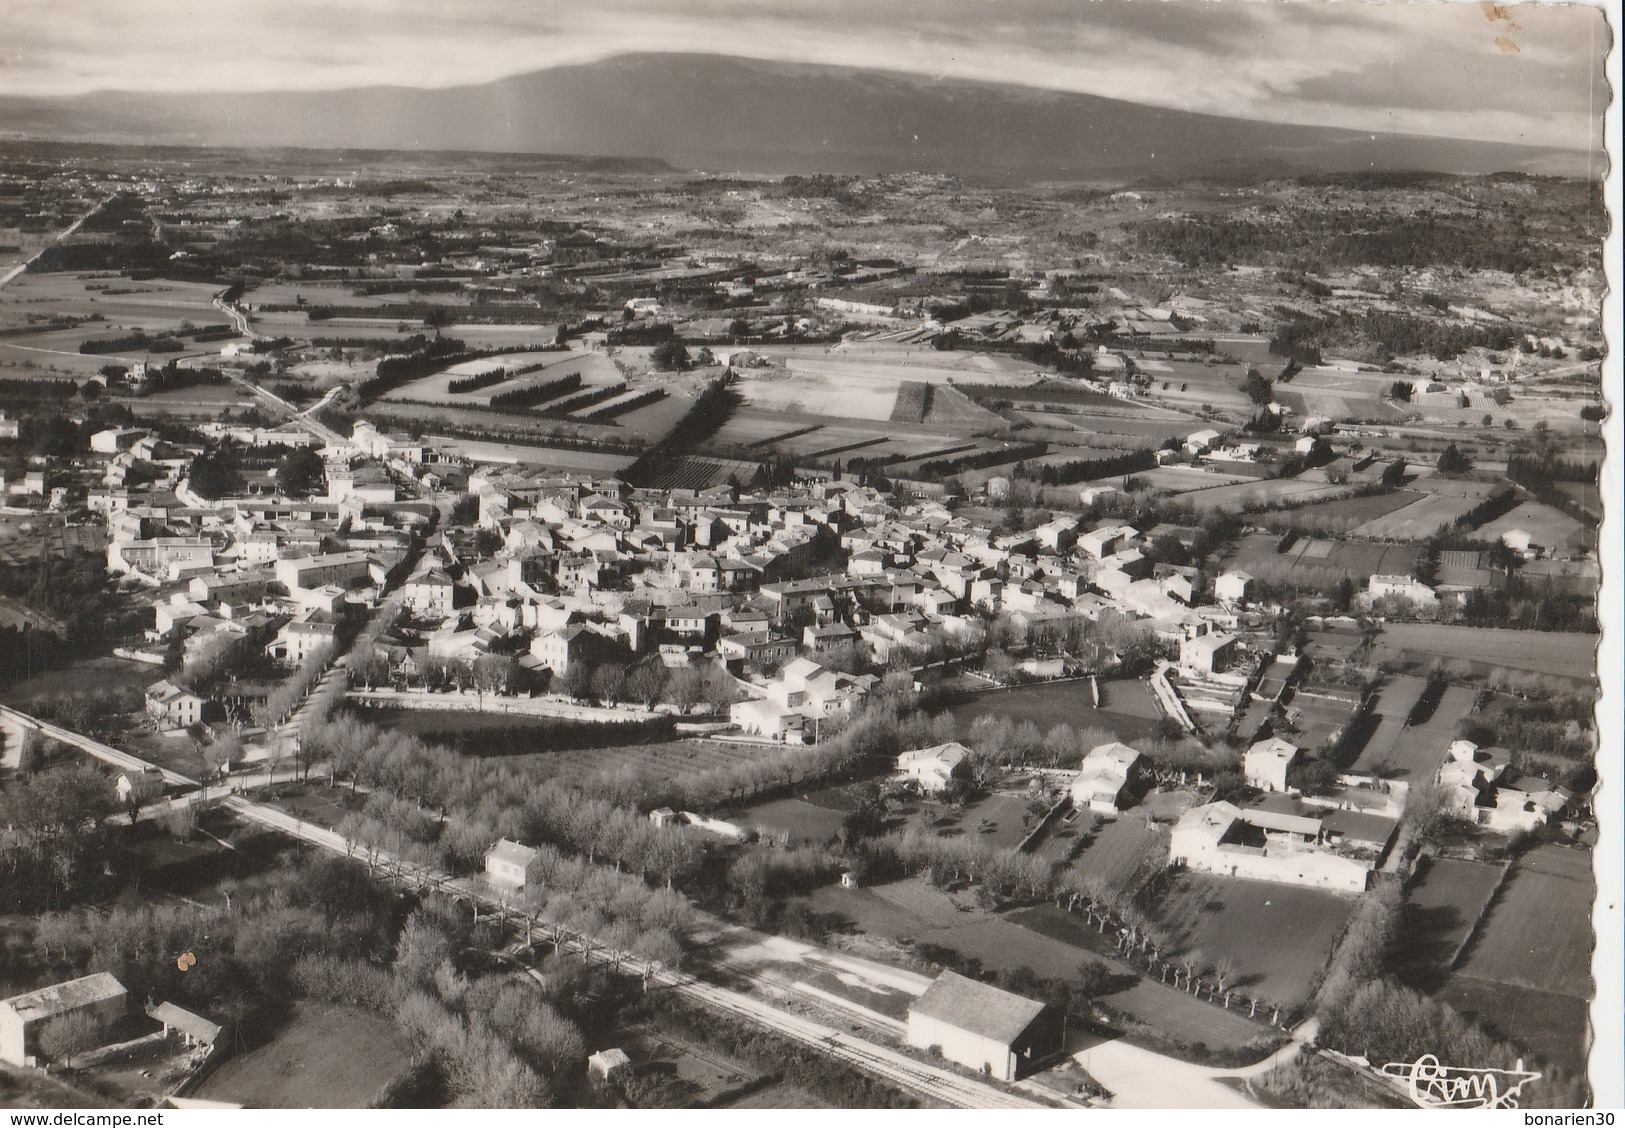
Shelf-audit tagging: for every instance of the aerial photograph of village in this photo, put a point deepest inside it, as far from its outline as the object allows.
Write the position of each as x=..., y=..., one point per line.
x=791, y=555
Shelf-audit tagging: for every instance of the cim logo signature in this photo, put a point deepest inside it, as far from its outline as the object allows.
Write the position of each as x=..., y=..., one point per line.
x=1432, y=1085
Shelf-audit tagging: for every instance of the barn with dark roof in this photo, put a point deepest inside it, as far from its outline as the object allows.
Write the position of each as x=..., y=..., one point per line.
x=984, y=1028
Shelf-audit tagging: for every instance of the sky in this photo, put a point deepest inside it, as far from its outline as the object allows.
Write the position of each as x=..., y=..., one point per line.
x=1525, y=73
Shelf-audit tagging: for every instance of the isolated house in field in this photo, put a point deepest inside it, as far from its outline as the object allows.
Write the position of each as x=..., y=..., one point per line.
x=605, y=1063
x=21, y=1016
x=507, y=864
x=931, y=769
x=1267, y=762
x=990, y=1031
x=1105, y=782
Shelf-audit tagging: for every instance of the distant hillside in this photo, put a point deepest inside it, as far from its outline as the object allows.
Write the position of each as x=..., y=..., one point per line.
x=717, y=113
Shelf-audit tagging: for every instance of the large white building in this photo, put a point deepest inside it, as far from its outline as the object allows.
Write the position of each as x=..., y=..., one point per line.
x=1278, y=839
x=21, y=1016
x=984, y=1029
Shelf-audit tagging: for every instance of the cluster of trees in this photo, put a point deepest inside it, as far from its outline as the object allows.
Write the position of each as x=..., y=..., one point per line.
x=320, y=929
x=1384, y=1021
x=1091, y=469
x=216, y=474
x=1559, y=725
x=1306, y=239
x=475, y=383
x=938, y=468
x=74, y=590
x=1543, y=474
x=1383, y=335
x=55, y=845
x=670, y=356
x=711, y=409
x=425, y=358
x=610, y=411
x=997, y=872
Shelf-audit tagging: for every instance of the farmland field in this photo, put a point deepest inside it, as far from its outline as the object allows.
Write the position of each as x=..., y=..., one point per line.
x=1349, y=513
x=1549, y=527
x=1419, y=520
x=1528, y=971
x=694, y=472
x=1050, y=942
x=1127, y=708
x=1538, y=934
x=1277, y=937
x=1184, y=479
x=326, y=1056
x=1269, y=491
x=802, y=820
x=1566, y=655
x=1441, y=908
x=1123, y=852
x=557, y=458
x=1416, y=753
x=1319, y=562
x=594, y=369
x=861, y=382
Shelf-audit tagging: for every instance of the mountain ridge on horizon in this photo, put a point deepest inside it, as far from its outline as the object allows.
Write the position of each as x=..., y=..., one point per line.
x=720, y=113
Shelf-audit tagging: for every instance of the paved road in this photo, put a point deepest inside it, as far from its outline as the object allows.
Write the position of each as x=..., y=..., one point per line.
x=66, y=231
x=103, y=752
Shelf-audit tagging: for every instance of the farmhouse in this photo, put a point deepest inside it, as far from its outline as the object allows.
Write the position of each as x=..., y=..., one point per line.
x=1105, y=782
x=1267, y=762
x=931, y=769
x=1476, y=788
x=100, y=996
x=1207, y=654
x=985, y=1029
x=168, y=704
x=1400, y=587
x=1279, y=839
x=507, y=864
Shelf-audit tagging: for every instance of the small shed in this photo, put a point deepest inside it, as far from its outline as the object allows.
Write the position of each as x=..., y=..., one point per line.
x=849, y=880
x=194, y=1029
x=605, y=1063
x=507, y=864
x=664, y=816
